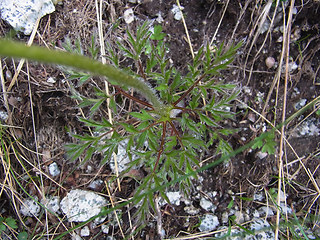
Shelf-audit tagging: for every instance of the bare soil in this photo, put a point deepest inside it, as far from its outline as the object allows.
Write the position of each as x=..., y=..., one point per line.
x=55, y=112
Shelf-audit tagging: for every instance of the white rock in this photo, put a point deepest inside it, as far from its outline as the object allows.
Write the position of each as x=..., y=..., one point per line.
x=162, y=233
x=80, y=205
x=285, y=209
x=105, y=228
x=110, y=238
x=207, y=205
x=291, y=67
x=94, y=185
x=262, y=230
x=247, y=90
x=123, y=159
x=75, y=237
x=51, y=80
x=294, y=10
x=280, y=39
x=159, y=18
x=308, y=128
x=259, y=98
x=3, y=116
x=282, y=196
x=239, y=217
x=225, y=217
x=212, y=194
x=54, y=169
x=85, y=231
x=302, y=102
x=261, y=155
x=22, y=15
x=234, y=234
x=265, y=211
x=258, y=197
x=191, y=210
x=174, y=197
x=128, y=16
x=51, y=203
x=176, y=12
x=30, y=208
x=209, y=223
x=256, y=214
x=89, y=168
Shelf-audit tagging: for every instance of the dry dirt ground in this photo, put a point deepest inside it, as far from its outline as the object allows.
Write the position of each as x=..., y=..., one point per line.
x=262, y=88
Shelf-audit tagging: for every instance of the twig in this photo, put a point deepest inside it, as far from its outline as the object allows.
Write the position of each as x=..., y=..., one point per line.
x=159, y=217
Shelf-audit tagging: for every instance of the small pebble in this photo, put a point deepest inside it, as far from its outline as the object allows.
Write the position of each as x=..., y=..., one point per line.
x=265, y=211
x=128, y=16
x=176, y=12
x=300, y=104
x=270, y=61
x=261, y=155
x=8, y=75
x=174, y=198
x=283, y=196
x=258, y=197
x=51, y=80
x=239, y=217
x=85, y=231
x=52, y=203
x=54, y=169
x=96, y=184
x=262, y=229
x=291, y=67
x=191, y=210
x=207, y=205
x=209, y=223
x=30, y=208
x=75, y=237
x=285, y=209
x=3, y=116
x=251, y=117
x=105, y=228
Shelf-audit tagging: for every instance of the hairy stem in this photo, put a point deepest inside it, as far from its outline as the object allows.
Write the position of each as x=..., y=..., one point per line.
x=164, y=125
x=114, y=75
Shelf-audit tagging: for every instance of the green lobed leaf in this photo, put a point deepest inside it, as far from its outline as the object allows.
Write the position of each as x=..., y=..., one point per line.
x=2, y=227
x=144, y=115
x=92, y=123
x=157, y=33
x=129, y=128
x=12, y=223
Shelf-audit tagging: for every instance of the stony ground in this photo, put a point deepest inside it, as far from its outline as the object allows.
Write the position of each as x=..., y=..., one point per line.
x=244, y=186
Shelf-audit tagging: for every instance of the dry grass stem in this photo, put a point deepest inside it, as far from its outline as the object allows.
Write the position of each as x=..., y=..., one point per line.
x=186, y=29
x=281, y=182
